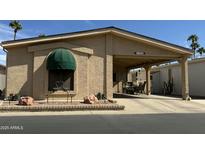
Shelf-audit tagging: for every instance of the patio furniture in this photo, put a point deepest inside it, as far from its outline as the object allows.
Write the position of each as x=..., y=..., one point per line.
x=129, y=88
x=140, y=88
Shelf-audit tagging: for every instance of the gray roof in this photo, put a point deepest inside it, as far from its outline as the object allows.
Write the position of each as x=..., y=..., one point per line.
x=99, y=29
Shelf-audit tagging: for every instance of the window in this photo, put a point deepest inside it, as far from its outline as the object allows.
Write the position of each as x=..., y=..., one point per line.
x=136, y=74
x=114, y=77
x=61, y=79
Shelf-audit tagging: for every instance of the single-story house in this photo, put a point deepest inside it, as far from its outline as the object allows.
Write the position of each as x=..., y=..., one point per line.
x=86, y=62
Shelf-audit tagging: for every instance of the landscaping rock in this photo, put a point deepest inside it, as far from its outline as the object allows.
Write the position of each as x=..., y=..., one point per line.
x=28, y=101
x=91, y=99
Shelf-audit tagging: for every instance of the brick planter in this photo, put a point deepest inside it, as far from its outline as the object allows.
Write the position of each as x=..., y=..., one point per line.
x=82, y=107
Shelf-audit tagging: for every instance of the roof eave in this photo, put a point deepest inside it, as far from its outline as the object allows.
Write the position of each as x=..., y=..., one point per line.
x=95, y=32
x=49, y=38
x=165, y=44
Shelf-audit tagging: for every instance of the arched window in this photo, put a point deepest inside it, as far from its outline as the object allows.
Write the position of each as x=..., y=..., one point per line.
x=61, y=66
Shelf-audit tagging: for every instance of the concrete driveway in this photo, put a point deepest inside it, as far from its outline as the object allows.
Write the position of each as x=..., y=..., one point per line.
x=154, y=115
x=160, y=104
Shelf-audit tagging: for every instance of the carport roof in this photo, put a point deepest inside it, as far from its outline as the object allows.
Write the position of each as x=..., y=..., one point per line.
x=111, y=29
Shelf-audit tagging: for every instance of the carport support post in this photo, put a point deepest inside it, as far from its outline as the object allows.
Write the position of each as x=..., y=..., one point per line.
x=109, y=68
x=184, y=78
x=148, y=81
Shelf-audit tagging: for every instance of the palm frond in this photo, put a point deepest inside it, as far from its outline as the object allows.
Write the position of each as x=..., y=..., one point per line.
x=201, y=50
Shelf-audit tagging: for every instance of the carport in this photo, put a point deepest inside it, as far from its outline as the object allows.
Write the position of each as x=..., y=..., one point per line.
x=131, y=51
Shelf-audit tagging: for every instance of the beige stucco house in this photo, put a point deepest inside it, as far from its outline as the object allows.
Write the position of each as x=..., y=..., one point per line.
x=100, y=61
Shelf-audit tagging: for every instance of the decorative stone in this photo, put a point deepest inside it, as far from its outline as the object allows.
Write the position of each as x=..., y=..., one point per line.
x=91, y=99
x=28, y=101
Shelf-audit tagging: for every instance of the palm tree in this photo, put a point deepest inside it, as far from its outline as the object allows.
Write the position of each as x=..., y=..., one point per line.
x=16, y=26
x=194, y=42
x=41, y=35
x=201, y=50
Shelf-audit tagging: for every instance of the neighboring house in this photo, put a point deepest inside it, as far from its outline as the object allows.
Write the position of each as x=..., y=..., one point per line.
x=164, y=73
x=85, y=62
x=196, y=77
x=137, y=76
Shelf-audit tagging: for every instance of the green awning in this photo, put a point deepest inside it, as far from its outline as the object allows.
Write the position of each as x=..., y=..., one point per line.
x=61, y=58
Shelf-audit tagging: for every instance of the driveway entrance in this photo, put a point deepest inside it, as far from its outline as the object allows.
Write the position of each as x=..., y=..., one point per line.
x=154, y=104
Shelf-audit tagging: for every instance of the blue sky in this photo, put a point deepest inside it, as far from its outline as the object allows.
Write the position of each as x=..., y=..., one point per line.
x=171, y=31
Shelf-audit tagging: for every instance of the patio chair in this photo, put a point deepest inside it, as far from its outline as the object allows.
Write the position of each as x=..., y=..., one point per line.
x=140, y=88
x=137, y=88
